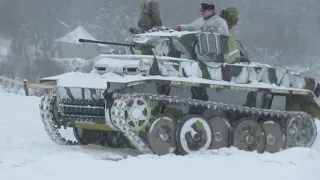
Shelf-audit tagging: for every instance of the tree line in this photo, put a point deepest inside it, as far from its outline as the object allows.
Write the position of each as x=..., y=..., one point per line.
x=278, y=32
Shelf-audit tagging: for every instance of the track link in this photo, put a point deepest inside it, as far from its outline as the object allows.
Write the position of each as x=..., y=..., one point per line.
x=47, y=116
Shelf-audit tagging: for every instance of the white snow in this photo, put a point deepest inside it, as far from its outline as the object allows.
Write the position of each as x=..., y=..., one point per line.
x=93, y=80
x=117, y=66
x=26, y=153
x=167, y=33
x=75, y=35
x=108, y=62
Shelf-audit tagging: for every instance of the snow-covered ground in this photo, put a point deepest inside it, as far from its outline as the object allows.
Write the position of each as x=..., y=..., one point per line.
x=26, y=153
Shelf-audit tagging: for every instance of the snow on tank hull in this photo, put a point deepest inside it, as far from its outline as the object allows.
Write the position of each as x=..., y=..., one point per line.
x=167, y=105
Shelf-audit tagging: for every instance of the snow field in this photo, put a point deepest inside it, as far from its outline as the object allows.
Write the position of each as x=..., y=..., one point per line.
x=27, y=153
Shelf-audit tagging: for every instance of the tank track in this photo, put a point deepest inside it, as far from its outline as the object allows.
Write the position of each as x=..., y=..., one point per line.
x=139, y=143
x=120, y=123
x=75, y=111
x=211, y=105
x=51, y=127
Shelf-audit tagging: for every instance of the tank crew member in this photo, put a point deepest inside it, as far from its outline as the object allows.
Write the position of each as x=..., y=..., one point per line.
x=209, y=19
x=149, y=15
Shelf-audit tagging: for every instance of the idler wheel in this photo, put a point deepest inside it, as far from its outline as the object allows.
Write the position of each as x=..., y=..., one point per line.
x=249, y=135
x=162, y=135
x=301, y=131
x=221, y=130
x=275, y=139
x=193, y=134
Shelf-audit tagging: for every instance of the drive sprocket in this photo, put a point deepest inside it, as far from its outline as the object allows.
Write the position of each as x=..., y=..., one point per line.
x=131, y=114
x=135, y=110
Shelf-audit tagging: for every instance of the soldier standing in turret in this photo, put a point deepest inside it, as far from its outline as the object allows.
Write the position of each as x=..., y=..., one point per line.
x=149, y=15
x=209, y=19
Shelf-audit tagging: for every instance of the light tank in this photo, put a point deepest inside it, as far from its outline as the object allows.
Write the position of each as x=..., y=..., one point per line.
x=183, y=92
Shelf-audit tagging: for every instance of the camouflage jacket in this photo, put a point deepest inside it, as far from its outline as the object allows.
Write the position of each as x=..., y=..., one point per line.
x=149, y=15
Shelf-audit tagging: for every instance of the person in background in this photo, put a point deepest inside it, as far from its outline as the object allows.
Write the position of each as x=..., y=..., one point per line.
x=149, y=15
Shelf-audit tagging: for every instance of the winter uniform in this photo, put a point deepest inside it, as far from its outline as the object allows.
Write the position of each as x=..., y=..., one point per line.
x=220, y=26
x=213, y=21
x=149, y=15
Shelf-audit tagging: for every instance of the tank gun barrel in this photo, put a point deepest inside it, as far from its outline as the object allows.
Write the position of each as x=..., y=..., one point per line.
x=105, y=42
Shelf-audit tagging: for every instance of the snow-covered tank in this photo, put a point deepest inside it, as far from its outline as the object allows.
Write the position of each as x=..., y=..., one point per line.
x=181, y=92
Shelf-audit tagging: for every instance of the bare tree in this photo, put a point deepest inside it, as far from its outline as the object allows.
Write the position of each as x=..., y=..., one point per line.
x=112, y=21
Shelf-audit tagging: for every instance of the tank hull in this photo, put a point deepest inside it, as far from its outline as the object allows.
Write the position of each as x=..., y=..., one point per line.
x=107, y=108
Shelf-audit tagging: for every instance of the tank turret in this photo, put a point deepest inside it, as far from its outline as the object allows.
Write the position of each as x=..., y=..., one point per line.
x=198, y=45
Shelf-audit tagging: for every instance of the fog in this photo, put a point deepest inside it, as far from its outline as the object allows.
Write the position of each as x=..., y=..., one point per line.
x=277, y=32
